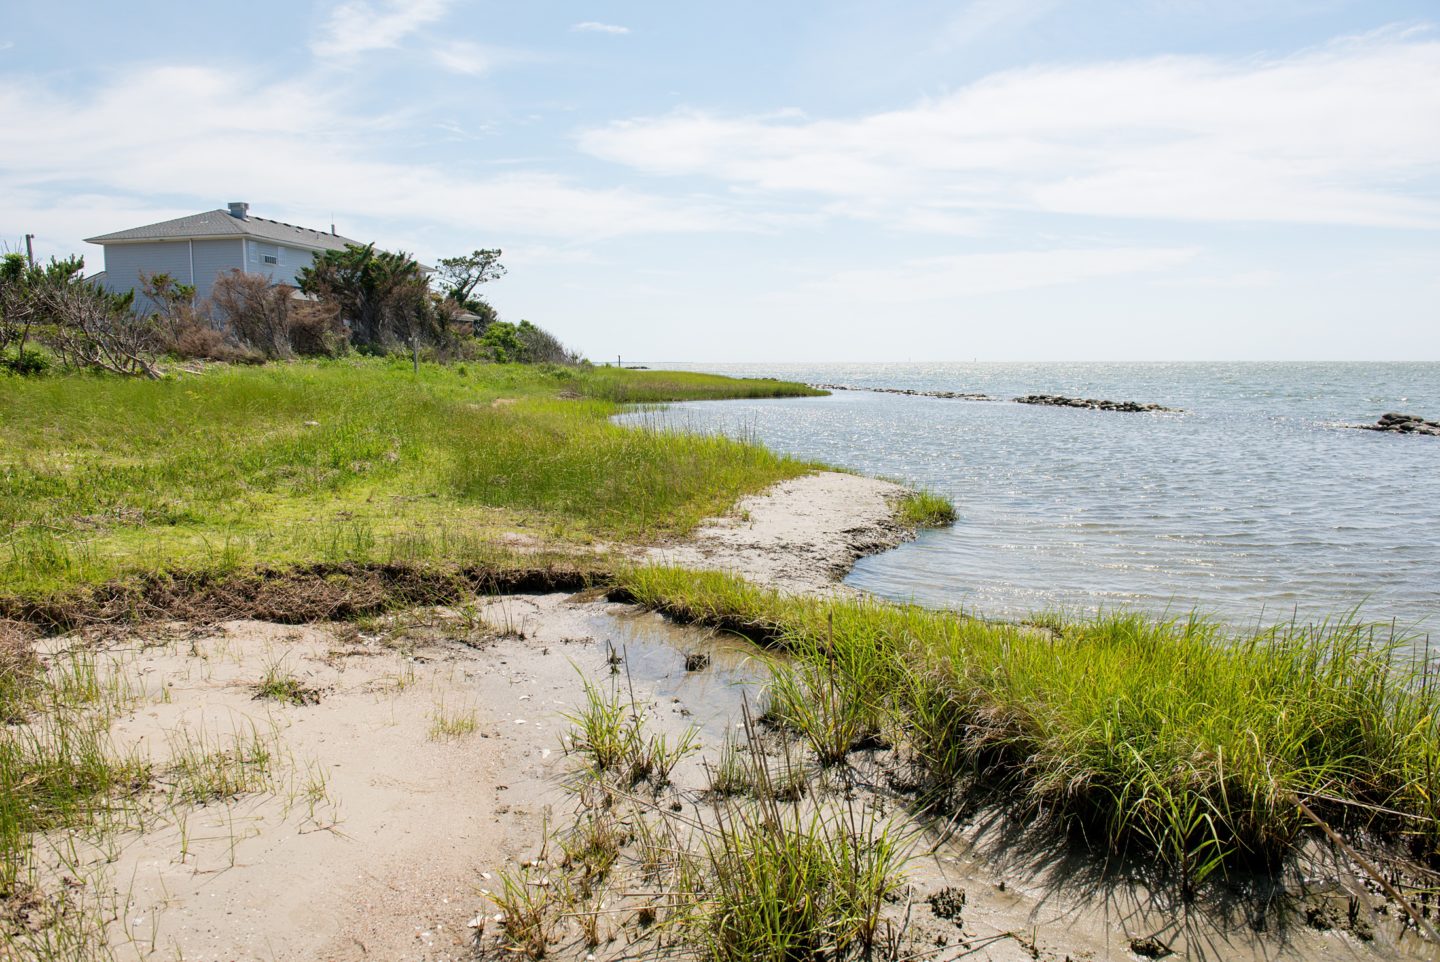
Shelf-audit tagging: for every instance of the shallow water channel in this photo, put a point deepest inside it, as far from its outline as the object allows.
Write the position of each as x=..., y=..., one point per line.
x=653, y=651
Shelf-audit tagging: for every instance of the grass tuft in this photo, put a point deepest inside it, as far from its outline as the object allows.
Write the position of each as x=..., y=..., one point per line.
x=278, y=685
x=925, y=509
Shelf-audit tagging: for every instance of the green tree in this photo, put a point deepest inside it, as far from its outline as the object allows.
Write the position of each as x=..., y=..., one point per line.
x=382, y=295
x=501, y=341
x=27, y=294
x=459, y=276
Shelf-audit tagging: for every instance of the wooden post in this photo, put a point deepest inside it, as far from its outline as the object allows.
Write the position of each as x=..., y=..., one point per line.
x=415, y=351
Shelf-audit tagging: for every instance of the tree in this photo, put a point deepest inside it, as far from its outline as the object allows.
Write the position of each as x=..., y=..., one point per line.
x=98, y=330
x=23, y=292
x=459, y=276
x=383, y=296
x=17, y=311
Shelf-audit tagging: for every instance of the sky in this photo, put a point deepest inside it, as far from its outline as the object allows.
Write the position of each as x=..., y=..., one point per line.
x=1050, y=180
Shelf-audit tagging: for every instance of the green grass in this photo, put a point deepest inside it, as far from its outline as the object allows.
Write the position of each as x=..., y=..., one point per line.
x=355, y=460
x=627, y=386
x=1164, y=737
x=925, y=509
x=781, y=883
x=279, y=685
x=58, y=769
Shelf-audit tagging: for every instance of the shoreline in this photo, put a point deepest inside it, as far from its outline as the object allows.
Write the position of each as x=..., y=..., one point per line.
x=801, y=536
x=432, y=759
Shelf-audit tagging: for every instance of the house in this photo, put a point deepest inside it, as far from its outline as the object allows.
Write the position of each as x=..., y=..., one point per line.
x=197, y=249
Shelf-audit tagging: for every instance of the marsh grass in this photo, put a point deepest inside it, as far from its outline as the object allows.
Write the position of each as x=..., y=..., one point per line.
x=628, y=386
x=58, y=767
x=925, y=509
x=528, y=908
x=349, y=461
x=783, y=882
x=205, y=767
x=1169, y=737
x=609, y=736
x=753, y=872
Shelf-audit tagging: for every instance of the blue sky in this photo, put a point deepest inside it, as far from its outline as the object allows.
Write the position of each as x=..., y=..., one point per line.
x=992, y=179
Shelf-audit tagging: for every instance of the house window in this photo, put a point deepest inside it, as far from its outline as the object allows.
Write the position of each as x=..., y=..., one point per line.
x=270, y=258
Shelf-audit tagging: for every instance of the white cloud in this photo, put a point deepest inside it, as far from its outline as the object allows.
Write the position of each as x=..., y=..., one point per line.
x=467, y=58
x=295, y=152
x=968, y=275
x=1341, y=134
x=357, y=26
x=591, y=26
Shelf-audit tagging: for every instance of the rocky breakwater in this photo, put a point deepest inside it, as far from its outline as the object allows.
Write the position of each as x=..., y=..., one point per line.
x=1056, y=400
x=954, y=395
x=1404, y=424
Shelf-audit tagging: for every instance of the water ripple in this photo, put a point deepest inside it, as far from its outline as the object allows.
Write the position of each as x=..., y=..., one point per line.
x=1251, y=502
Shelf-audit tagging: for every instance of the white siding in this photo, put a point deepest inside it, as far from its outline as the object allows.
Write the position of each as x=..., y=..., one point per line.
x=213, y=258
x=288, y=261
x=124, y=262
x=200, y=262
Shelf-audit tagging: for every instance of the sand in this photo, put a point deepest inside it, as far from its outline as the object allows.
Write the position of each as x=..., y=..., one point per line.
x=801, y=535
x=433, y=758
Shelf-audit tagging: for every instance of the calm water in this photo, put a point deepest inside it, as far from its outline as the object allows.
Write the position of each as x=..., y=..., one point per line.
x=1252, y=504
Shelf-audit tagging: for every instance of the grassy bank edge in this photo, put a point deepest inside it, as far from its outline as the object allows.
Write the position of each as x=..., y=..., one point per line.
x=1174, y=739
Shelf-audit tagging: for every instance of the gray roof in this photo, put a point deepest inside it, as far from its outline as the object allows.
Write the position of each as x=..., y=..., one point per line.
x=220, y=223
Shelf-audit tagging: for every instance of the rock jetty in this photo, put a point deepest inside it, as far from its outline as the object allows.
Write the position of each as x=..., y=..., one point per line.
x=1404, y=424
x=954, y=395
x=1056, y=400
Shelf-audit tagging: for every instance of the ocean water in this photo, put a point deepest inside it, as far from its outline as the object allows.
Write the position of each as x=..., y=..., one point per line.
x=1255, y=504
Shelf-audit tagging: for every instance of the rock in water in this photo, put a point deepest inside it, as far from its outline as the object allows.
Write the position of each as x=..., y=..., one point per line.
x=1404, y=424
x=1056, y=400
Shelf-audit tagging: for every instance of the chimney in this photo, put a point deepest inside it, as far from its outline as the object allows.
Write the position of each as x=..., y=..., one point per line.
x=238, y=209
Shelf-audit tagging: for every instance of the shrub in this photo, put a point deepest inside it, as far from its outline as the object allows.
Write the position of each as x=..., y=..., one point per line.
x=256, y=312
x=204, y=343
x=96, y=330
x=27, y=363
x=540, y=346
x=316, y=329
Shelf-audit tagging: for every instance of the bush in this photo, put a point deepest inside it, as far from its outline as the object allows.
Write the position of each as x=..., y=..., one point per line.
x=27, y=363
x=525, y=343
x=256, y=312
x=540, y=346
x=204, y=343
x=316, y=329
